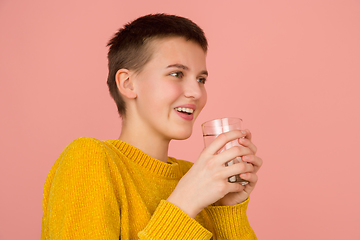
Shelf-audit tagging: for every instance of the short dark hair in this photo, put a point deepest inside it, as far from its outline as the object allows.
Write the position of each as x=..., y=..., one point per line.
x=129, y=48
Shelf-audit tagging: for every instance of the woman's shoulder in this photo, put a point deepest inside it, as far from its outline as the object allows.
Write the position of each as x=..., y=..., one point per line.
x=86, y=145
x=83, y=150
x=84, y=142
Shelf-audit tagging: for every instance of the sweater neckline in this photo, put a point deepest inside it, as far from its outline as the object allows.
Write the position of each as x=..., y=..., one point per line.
x=171, y=169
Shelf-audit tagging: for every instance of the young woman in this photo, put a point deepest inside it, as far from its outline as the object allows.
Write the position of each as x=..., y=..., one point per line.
x=129, y=188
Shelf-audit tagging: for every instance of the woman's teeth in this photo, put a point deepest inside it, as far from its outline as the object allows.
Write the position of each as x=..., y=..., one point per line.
x=185, y=110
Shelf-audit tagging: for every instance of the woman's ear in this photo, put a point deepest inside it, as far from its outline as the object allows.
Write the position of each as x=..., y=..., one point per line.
x=124, y=83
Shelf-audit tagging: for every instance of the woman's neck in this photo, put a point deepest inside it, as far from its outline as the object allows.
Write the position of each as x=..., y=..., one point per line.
x=146, y=142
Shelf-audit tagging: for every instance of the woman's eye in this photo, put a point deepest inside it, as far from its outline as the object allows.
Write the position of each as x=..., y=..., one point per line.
x=201, y=80
x=177, y=74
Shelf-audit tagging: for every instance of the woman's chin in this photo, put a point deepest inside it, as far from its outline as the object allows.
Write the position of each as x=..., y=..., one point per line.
x=183, y=135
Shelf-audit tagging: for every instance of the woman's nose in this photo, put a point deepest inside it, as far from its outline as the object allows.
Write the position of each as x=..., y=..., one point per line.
x=192, y=89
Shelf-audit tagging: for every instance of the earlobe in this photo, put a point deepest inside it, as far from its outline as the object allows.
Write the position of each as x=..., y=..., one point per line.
x=124, y=83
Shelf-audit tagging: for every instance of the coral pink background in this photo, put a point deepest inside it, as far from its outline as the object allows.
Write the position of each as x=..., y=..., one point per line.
x=290, y=69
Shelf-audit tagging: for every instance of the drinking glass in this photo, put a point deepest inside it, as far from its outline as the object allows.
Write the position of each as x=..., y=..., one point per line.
x=211, y=129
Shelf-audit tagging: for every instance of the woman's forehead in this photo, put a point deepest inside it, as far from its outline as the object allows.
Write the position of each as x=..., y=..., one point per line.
x=177, y=50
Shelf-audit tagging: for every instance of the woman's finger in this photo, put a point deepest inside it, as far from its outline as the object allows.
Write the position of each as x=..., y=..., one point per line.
x=248, y=134
x=231, y=153
x=236, y=169
x=220, y=141
x=251, y=177
x=254, y=160
x=247, y=143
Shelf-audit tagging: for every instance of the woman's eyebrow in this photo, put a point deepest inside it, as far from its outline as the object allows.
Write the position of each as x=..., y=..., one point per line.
x=178, y=65
x=204, y=73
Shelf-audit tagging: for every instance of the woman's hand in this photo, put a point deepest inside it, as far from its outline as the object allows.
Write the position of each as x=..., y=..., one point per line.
x=207, y=180
x=233, y=198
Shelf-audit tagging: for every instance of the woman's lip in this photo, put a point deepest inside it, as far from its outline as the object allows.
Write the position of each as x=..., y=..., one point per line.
x=185, y=116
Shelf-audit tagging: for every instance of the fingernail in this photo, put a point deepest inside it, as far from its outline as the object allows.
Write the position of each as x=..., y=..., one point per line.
x=243, y=175
x=243, y=131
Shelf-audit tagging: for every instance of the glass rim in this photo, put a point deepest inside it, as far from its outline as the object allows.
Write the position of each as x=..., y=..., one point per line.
x=204, y=124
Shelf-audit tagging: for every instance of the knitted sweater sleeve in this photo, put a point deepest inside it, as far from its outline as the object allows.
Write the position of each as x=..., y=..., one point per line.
x=170, y=222
x=227, y=222
x=231, y=222
x=80, y=201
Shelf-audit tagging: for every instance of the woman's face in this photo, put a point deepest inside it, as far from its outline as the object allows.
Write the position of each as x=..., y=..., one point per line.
x=170, y=88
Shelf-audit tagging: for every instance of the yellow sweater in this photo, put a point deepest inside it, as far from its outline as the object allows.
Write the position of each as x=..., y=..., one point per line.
x=110, y=190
